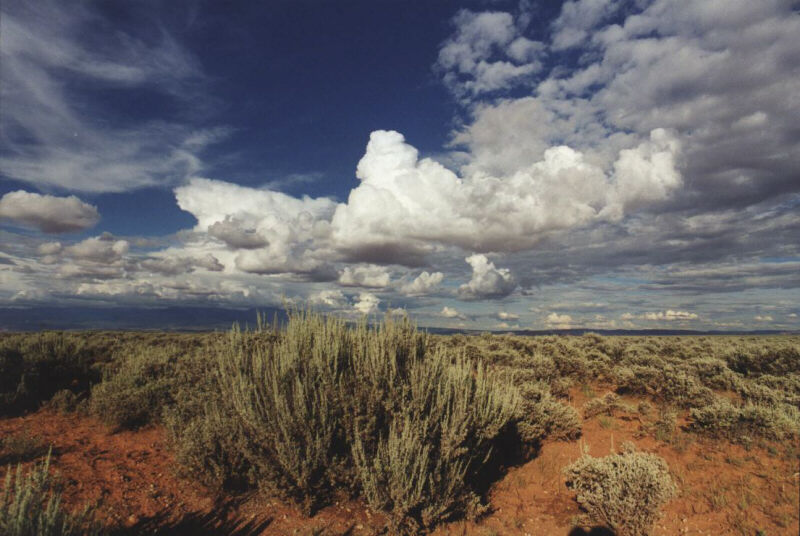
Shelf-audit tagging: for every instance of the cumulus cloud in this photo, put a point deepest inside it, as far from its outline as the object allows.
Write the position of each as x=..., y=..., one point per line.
x=403, y=201
x=175, y=265
x=450, y=312
x=763, y=318
x=367, y=303
x=487, y=53
x=558, y=321
x=577, y=19
x=235, y=235
x=332, y=298
x=423, y=284
x=487, y=281
x=365, y=276
x=505, y=315
x=49, y=248
x=48, y=213
x=670, y=315
x=273, y=232
x=100, y=249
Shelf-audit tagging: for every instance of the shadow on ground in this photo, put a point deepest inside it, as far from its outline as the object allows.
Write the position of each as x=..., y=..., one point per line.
x=206, y=524
x=594, y=531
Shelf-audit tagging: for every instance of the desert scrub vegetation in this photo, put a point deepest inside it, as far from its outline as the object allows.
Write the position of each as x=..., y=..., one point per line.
x=744, y=422
x=417, y=425
x=34, y=367
x=320, y=408
x=623, y=492
x=136, y=387
x=21, y=447
x=30, y=505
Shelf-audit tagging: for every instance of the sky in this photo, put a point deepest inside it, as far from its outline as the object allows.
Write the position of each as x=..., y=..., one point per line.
x=602, y=164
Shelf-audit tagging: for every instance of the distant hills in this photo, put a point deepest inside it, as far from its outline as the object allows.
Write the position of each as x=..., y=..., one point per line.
x=216, y=318
x=134, y=318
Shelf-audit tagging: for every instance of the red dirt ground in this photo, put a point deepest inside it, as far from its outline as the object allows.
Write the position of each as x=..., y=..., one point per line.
x=130, y=476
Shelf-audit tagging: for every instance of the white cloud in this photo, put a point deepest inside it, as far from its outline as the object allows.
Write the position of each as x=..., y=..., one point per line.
x=505, y=315
x=423, y=284
x=670, y=315
x=449, y=312
x=334, y=298
x=763, y=318
x=275, y=233
x=234, y=234
x=175, y=265
x=49, y=248
x=59, y=135
x=367, y=303
x=487, y=281
x=100, y=249
x=558, y=321
x=487, y=53
x=48, y=213
x=403, y=202
x=365, y=276
x=577, y=18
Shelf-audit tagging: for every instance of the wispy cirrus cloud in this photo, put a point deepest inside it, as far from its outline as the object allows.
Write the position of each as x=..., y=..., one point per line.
x=68, y=79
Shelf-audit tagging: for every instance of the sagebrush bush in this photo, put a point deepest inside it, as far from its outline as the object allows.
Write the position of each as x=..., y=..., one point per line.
x=542, y=416
x=606, y=405
x=21, y=447
x=713, y=373
x=322, y=406
x=666, y=383
x=424, y=469
x=29, y=506
x=34, y=367
x=773, y=358
x=623, y=492
x=135, y=391
x=740, y=423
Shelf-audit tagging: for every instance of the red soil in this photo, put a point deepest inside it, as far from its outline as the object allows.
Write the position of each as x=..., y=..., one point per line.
x=130, y=476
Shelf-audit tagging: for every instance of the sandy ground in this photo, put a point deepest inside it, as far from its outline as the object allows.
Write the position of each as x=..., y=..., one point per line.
x=131, y=478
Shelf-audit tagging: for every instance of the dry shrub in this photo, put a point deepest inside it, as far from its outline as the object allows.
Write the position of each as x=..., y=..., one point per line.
x=323, y=407
x=30, y=506
x=136, y=390
x=607, y=405
x=624, y=492
x=713, y=373
x=740, y=423
x=666, y=383
x=424, y=470
x=33, y=367
x=542, y=416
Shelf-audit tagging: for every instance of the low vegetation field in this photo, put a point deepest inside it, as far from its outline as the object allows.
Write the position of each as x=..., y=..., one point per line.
x=321, y=427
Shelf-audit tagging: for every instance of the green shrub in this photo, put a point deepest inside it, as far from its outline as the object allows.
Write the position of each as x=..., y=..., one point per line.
x=713, y=373
x=774, y=359
x=607, y=405
x=64, y=401
x=543, y=416
x=29, y=506
x=21, y=447
x=321, y=406
x=622, y=491
x=424, y=469
x=739, y=423
x=666, y=383
x=34, y=367
x=135, y=391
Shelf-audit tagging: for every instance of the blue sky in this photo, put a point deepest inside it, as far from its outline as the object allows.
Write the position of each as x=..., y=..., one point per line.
x=490, y=165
